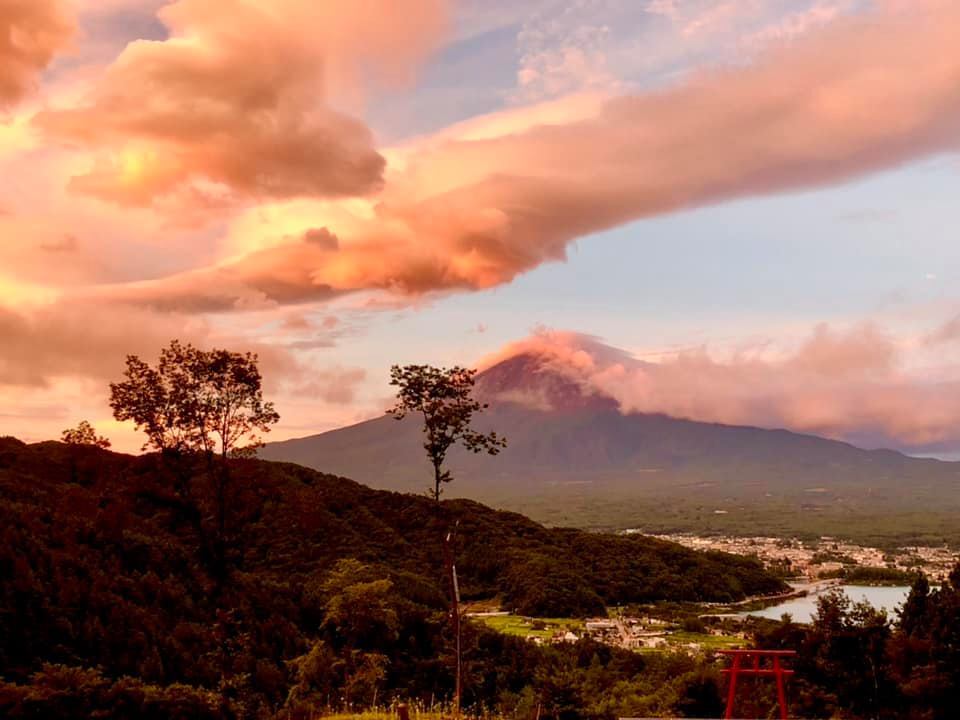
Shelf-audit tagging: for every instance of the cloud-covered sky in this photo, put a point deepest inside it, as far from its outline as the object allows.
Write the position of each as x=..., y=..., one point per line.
x=755, y=199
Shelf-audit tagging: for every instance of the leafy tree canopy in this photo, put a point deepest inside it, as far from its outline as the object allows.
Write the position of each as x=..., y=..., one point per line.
x=443, y=397
x=195, y=401
x=84, y=434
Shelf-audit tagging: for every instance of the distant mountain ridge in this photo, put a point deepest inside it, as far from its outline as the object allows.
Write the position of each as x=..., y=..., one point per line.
x=575, y=458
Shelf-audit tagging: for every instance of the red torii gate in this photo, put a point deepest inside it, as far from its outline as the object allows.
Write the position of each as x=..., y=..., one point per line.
x=748, y=662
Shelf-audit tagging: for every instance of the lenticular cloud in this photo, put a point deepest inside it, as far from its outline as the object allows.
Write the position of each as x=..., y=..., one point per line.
x=474, y=208
x=849, y=385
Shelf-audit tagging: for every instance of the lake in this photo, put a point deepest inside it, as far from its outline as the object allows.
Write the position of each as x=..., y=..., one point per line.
x=803, y=609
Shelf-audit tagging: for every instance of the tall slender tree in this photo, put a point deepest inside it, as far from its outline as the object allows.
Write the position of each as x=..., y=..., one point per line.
x=443, y=397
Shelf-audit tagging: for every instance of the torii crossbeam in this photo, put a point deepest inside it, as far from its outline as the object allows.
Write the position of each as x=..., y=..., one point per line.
x=751, y=662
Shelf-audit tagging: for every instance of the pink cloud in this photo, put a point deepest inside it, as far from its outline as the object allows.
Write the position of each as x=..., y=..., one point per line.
x=57, y=358
x=335, y=385
x=799, y=23
x=241, y=100
x=863, y=94
x=948, y=332
x=849, y=385
x=70, y=339
x=60, y=340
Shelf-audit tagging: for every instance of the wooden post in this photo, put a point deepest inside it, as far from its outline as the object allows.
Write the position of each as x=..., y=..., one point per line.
x=448, y=552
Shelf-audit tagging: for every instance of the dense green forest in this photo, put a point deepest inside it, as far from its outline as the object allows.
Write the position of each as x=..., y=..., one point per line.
x=109, y=593
x=109, y=606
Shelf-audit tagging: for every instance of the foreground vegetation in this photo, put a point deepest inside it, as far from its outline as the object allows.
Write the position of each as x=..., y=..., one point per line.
x=122, y=593
x=110, y=606
x=856, y=662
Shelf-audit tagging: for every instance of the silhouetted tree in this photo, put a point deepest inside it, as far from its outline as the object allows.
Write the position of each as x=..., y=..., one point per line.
x=925, y=653
x=80, y=439
x=161, y=401
x=84, y=434
x=198, y=402
x=195, y=401
x=443, y=397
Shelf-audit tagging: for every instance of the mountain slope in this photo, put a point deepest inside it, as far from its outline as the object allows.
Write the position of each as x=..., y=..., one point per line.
x=573, y=456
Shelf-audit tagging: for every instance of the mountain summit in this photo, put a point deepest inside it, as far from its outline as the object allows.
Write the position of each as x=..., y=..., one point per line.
x=531, y=380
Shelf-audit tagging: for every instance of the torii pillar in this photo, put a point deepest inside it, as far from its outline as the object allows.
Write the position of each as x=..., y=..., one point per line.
x=751, y=663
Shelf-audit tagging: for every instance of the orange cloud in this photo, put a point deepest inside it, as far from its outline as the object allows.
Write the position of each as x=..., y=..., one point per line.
x=241, y=101
x=55, y=364
x=474, y=210
x=59, y=339
x=848, y=385
x=31, y=33
x=56, y=339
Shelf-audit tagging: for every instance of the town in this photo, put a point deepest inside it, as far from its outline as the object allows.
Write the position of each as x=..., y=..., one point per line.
x=813, y=567
x=643, y=630
x=825, y=557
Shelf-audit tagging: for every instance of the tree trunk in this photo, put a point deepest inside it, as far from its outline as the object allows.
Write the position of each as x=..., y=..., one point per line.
x=436, y=482
x=220, y=551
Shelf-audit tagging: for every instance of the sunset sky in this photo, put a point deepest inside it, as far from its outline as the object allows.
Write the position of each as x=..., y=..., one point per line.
x=757, y=200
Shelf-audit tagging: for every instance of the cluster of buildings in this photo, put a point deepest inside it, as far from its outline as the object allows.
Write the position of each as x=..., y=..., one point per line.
x=797, y=558
x=827, y=555
x=634, y=633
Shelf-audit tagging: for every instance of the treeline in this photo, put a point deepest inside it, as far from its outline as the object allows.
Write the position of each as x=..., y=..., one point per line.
x=864, y=575
x=113, y=600
x=857, y=662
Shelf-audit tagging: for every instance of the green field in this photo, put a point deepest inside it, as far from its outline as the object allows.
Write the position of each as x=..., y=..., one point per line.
x=884, y=527
x=707, y=642
x=523, y=626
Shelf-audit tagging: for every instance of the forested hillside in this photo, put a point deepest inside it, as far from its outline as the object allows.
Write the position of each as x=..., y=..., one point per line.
x=106, y=562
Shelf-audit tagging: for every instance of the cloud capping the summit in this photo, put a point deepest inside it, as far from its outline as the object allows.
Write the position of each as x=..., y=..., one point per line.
x=844, y=384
